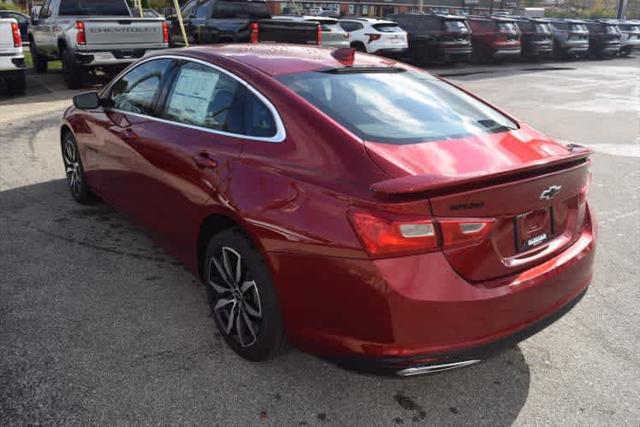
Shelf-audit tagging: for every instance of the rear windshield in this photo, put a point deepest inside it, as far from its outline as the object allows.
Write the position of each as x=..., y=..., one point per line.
x=507, y=27
x=455, y=26
x=94, y=7
x=240, y=9
x=387, y=28
x=543, y=28
x=579, y=27
x=401, y=107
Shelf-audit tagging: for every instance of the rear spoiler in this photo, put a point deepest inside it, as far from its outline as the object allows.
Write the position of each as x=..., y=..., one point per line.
x=445, y=184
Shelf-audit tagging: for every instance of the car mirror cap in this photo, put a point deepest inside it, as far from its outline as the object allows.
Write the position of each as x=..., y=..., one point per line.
x=87, y=101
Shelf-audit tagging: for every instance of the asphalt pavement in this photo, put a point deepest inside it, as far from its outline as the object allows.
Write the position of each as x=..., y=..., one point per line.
x=99, y=325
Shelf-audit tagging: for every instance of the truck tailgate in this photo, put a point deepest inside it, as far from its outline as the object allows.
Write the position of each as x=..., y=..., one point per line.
x=6, y=34
x=127, y=32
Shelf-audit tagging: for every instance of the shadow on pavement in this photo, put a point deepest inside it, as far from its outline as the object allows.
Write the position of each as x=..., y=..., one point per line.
x=99, y=325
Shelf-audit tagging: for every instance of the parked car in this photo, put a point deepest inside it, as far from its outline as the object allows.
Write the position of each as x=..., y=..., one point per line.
x=435, y=37
x=494, y=38
x=332, y=34
x=604, y=38
x=92, y=34
x=536, y=38
x=239, y=21
x=570, y=38
x=377, y=36
x=365, y=210
x=21, y=19
x=630, y=36
x=11, y=56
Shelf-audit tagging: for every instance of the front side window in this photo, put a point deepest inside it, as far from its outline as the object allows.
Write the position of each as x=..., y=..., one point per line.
x=136, y=90
x=400, y=107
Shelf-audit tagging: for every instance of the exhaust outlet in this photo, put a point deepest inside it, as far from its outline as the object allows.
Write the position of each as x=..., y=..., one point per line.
x=430, y=369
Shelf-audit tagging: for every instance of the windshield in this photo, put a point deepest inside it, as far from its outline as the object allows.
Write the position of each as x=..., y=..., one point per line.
x=611, y=29
x=543, y=28
x=387, y=28
x=94, y=7
x=507, y=27
x=455, y=26
x=401, y=107
x=240, y=9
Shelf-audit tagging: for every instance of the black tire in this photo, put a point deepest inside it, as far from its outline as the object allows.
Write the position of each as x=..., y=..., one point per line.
x=359, y=46
x=73, y=73
x=17, y=83
x=245, y=307
x=74, y=171
x=40, y=62
x=625, y=52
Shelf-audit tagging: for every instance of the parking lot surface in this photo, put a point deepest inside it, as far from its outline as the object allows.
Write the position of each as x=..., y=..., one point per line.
x=98, y=325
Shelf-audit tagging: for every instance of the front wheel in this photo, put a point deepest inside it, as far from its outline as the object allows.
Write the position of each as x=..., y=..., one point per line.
x=74, y=171
x=242, y=296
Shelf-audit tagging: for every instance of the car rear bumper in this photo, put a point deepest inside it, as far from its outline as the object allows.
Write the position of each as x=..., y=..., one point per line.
x=389, y=315
x=110, y=57
x=11, y=62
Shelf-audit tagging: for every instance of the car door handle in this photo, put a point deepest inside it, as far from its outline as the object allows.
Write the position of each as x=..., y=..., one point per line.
x=204, y=160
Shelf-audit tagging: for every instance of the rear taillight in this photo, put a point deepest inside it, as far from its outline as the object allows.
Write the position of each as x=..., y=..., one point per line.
x=461, y=232
x=383, y=236
x=373, y=37
x=17, y=39
x=319, y=34
x=582, y=197
x=165, y=32
x=80, y=34
x=255, y=32
x=390, y=235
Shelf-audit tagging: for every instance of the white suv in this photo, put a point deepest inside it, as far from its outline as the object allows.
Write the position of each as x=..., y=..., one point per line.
x=11, y=56
x=375, y=36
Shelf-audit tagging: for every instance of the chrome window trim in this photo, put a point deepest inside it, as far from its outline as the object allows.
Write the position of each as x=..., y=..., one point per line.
x=280, y=135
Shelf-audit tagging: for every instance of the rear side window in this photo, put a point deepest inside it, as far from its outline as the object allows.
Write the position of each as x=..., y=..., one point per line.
x=94, y=7
x=240, y=9
x=351, y=26
x=401, y=107
x=387, y=28
x=136, y=90
x=205, y=97
x=202, y=10
x=455, y=26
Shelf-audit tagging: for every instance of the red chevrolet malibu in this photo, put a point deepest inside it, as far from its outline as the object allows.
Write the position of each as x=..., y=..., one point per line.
x=362, y=209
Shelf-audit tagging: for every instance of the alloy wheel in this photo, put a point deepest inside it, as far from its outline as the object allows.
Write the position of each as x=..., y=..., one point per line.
x=72, y=166
x=237, y=304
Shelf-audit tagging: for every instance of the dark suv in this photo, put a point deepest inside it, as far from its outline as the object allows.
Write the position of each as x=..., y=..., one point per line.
x=629, y=36
x=570, y=37
x=435, y=37
x=535, y=37
x=604, y=38
x=494, y=37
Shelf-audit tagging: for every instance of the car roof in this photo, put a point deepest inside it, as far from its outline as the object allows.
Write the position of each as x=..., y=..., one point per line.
x=278, y=59
x=369, y=20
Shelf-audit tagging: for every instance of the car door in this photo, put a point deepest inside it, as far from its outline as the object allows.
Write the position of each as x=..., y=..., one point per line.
x=190, y=152
x=42, y=30
x=112, y=159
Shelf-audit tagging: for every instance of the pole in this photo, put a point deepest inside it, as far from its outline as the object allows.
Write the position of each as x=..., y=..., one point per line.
x=139, y=2
x=181, y=23
x=622, y=6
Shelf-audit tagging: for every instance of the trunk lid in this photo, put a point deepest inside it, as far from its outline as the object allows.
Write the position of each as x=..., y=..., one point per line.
x=528, y=185
x=125, y=32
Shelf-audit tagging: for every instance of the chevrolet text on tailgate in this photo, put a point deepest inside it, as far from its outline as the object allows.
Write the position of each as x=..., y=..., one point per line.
x=90, y=34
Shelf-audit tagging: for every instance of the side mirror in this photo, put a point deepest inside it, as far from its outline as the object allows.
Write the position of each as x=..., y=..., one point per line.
x=86, y=101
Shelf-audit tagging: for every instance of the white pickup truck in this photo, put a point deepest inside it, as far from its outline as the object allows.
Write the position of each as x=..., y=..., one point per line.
x=90, y=34
x=11, y=56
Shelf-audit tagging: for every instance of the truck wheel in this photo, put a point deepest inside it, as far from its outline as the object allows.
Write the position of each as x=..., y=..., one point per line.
x=40, y=62
x=17, y=84
x=72, y=72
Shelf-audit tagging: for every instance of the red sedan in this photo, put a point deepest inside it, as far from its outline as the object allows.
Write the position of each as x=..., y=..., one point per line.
x=364, y=210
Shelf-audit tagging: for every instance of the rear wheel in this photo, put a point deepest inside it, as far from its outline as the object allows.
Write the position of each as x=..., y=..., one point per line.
x=40, y=62
x=625, y=52
x=76, y=178
x=242, y=296
x=359, y=46
x=16, y=83
x=74, y=74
